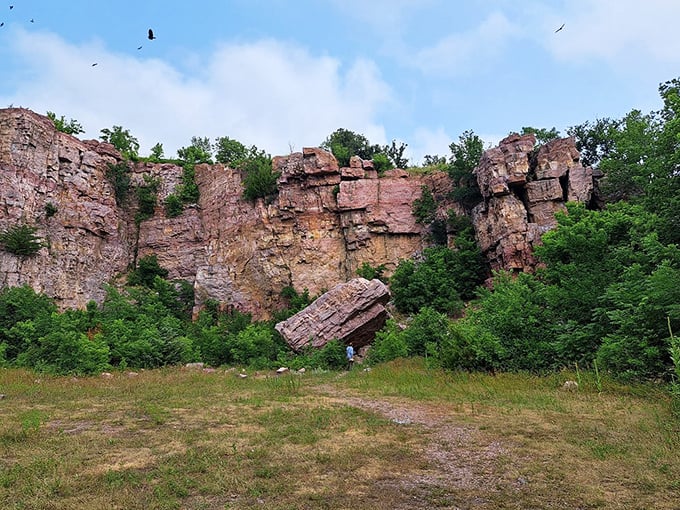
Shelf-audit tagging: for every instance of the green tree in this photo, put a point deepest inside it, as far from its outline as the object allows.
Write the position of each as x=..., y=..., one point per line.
x=122, y=140
x=146, y=271
x=200, y=151
x=21, y=240
x=259, y=178
x=230, y=152
x=71, y=127
x=147, y=196
x=595, y=141
x=465, y=156
x=542, y=135
x=439, y=280
x=157, y=152
x=395, y=152
x=19, y=305
x=344, y=144
x=425, y=206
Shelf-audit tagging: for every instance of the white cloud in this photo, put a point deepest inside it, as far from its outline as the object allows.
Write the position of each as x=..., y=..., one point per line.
x=266, y=93
x=616, y=31
x=458, y=53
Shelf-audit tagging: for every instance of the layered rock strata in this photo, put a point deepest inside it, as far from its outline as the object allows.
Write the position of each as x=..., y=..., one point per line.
x=350, y=312
x=523, y=188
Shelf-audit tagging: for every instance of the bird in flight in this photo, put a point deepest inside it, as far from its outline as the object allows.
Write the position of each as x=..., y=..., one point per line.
x=560, y=28
x=11, y=7
x=94, y=64
x=2, y=24
x=139, y=47
x=151, y=36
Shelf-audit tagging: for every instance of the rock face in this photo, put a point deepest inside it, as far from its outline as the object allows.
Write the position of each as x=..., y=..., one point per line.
x=86, y=241
x=522, y=191
x=322, y=226
x=349, y=312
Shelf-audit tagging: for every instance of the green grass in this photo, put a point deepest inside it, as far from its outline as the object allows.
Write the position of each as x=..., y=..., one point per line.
x=399, y=436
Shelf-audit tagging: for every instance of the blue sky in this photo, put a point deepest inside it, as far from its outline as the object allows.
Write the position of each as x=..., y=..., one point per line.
x=283, y=75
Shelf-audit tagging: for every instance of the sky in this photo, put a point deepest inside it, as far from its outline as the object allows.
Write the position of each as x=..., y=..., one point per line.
x=285, y=74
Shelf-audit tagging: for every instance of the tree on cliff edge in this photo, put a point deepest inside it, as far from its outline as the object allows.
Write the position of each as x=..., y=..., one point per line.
x=122, y=140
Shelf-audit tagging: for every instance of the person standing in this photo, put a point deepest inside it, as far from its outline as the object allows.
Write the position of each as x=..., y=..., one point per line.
x=350, y=356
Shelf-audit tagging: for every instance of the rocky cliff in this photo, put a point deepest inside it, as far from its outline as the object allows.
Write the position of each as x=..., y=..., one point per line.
x=324, y=223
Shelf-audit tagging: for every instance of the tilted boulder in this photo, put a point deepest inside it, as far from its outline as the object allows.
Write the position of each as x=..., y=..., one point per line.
x=349, y=312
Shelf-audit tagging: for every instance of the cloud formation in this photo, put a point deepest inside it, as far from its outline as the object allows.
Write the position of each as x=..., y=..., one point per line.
x=264, y=93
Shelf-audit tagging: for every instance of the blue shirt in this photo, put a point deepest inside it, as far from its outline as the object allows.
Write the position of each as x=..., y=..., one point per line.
x=350, y=352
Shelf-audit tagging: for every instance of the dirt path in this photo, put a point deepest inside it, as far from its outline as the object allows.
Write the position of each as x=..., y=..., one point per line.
x=464, y=465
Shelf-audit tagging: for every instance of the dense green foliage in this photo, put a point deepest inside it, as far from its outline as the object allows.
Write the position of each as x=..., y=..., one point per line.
x=21, y=240
x=259, y=178
x=542, y=135
x=344, y=144
x=147, y=196
x=370, y=273
x=122, y=140
x=441, y=280
x=71, y=127
x=425, y=206
x=465, y=156
x=119, y=177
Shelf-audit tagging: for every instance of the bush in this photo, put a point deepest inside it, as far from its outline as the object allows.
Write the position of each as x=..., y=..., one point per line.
x=390, y=343
x=21, y=240
x=119, y=177
x=426, y=332
x=425, y=207
x=470, y=347
x=259, y=178
x=147, y=196
x=371, y=273
x=147, y=270
x=50, y=209
x=438, y=281
x=382, y=163
x=173, y=206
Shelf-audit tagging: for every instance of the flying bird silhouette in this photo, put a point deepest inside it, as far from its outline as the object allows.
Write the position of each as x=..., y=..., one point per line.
x=560, y=28
x=11, y=7
x=139, y=47
x=151, y=36
x=94, y=64
x=2, y=24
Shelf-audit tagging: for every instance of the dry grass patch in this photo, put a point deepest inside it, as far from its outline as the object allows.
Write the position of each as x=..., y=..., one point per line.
x=400, y=436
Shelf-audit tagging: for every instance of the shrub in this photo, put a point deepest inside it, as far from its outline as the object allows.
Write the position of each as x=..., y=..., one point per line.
x=173, y=206
x=71, y=127
x=425, y=207
x=390, y=343
x=426, y=332
x=147, y=195
x=370, y=273
x=50, y=209
x=119, y=177
x=147, y=269
x=188, y=191
x=470, y=347
x=21, y=240
x=438, y=281
x=382, y=163
x=259, y=178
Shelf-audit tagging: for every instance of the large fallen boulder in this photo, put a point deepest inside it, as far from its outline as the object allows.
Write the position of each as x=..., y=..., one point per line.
x=350, y=312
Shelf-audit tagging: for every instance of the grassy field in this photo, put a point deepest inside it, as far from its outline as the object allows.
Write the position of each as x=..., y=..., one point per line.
x=399, y=436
